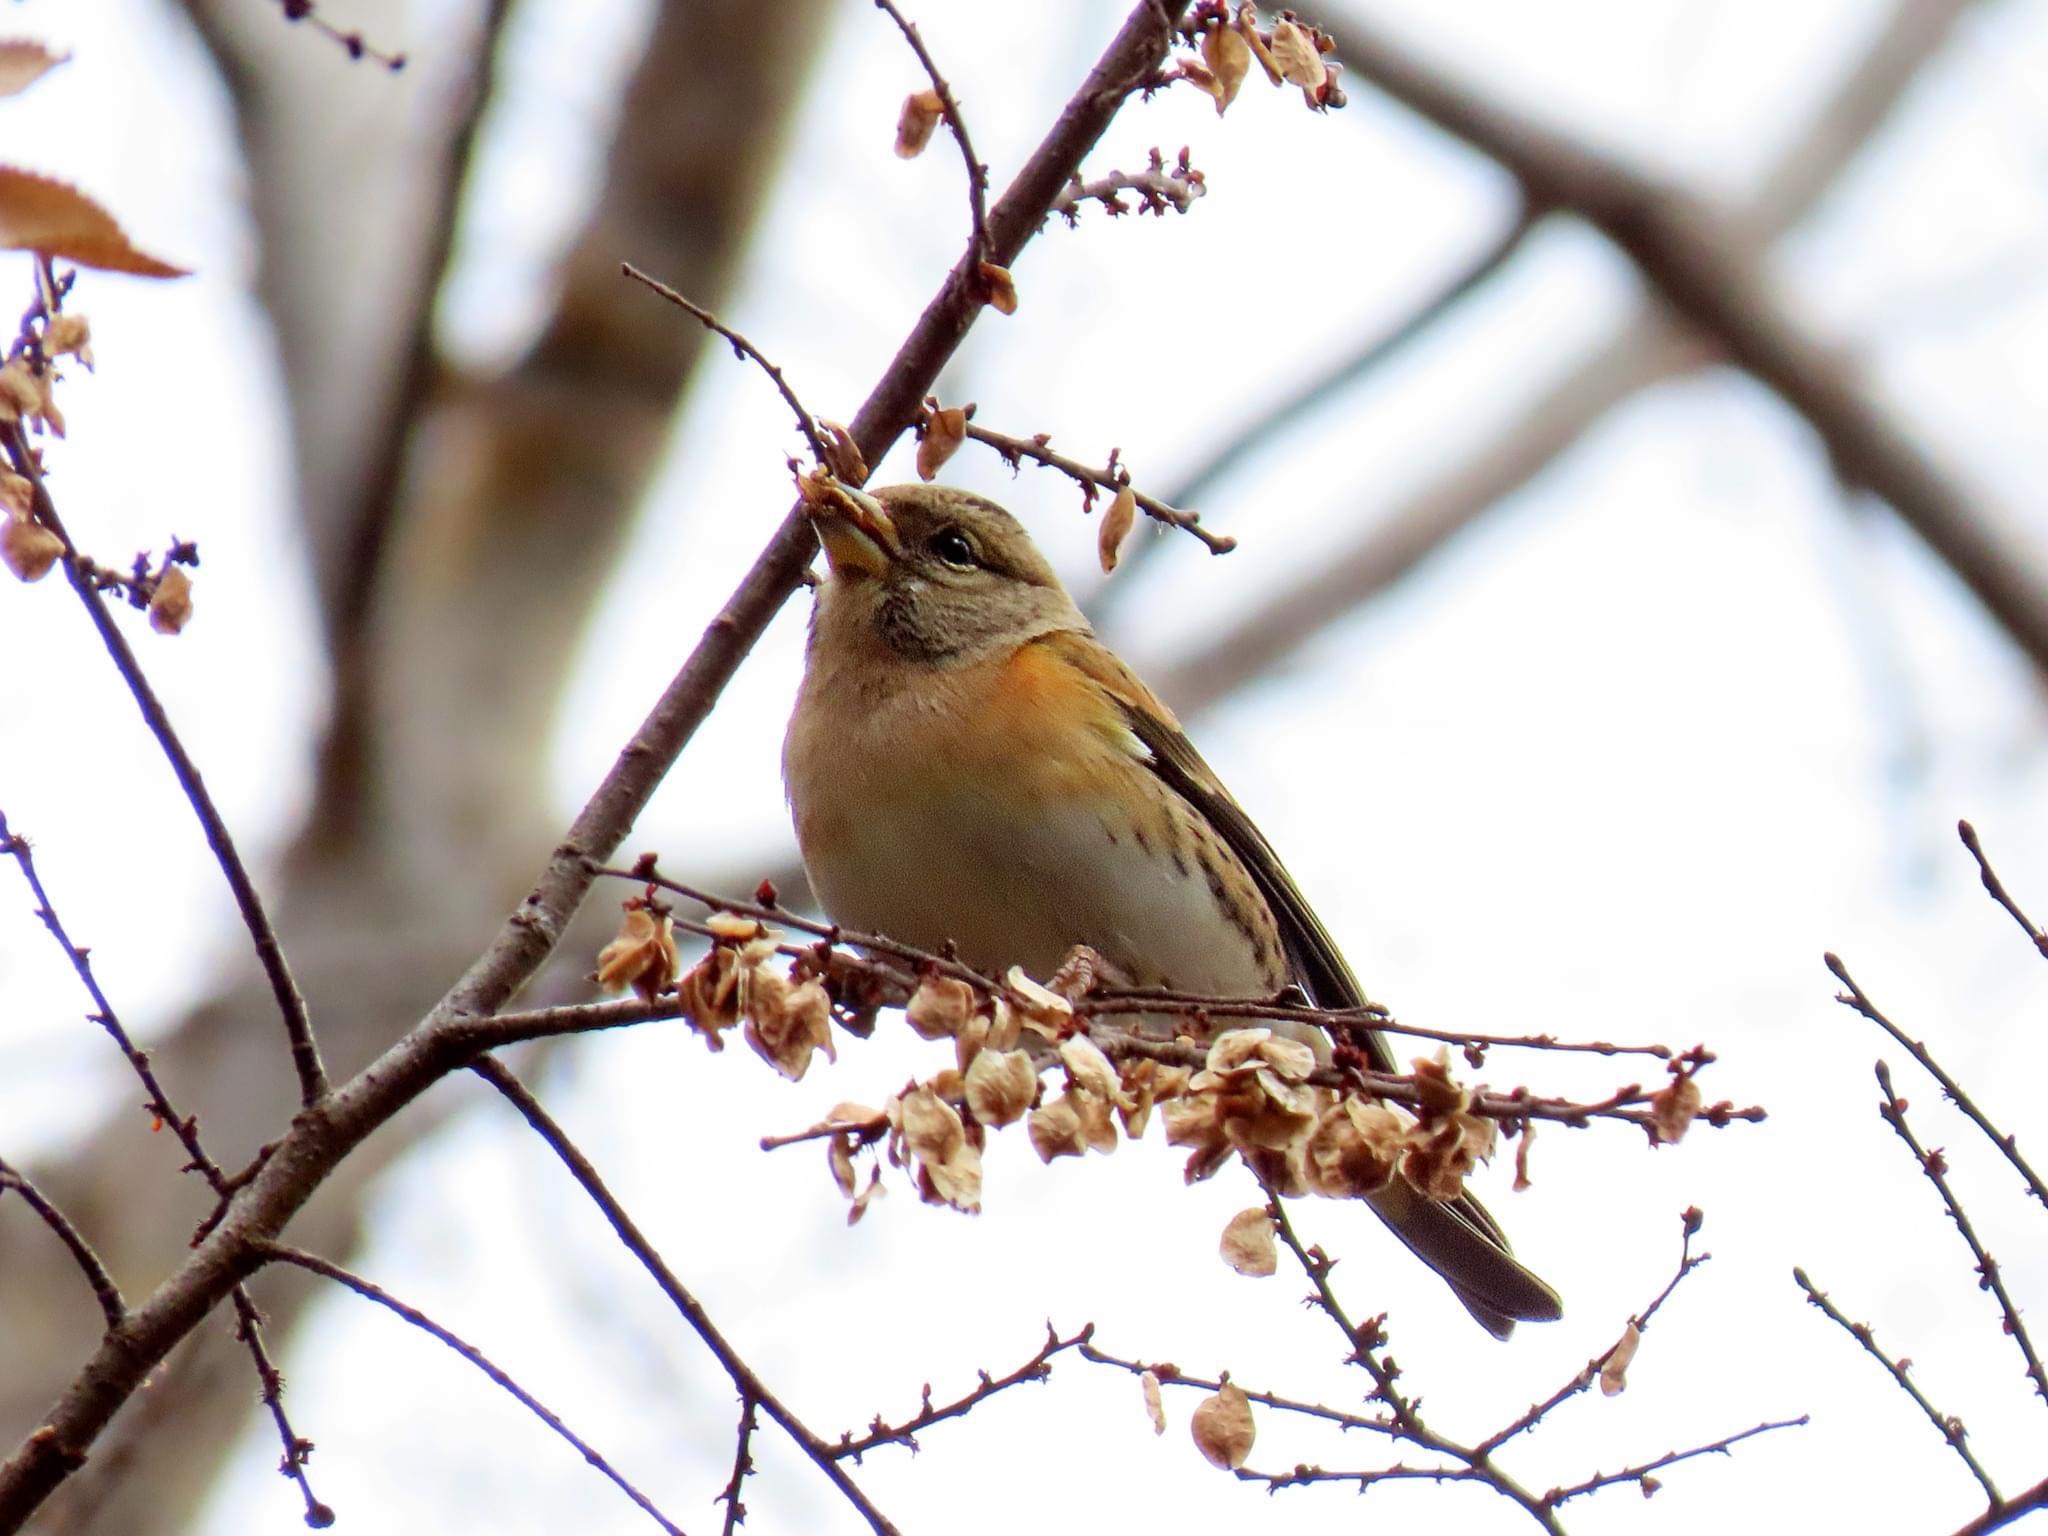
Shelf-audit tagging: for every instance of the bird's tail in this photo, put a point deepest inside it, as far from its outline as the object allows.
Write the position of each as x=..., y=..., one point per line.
x=1461, y=1242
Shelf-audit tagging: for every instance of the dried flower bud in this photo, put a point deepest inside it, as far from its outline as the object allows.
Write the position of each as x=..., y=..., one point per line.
x=1223, y=1427
x=1155, y=1405
x=1001, y=289
x=1614, y=1369
x=1117, y=523
x=1000, y=1086
x=1522, y=1155
x=642, y=957
x=1089, y=1069
x=940, y=1007
x=170, y=607
x=1296, y=57
x=839, y=1157
x=710, y=994
x=948, y=1164
x=21, y=395
x=28, y=548
x=1248, y=29
x=1247, y=1245
x=1040, y=1004
x=69, y=335
x=787, y=1024
x=1229, y=58
x=1055, y=1129
x=17, y=493
x=1673, y=1106
x=944, y=431
x=842, y=455
x=920, y=115
x=1356, y=1148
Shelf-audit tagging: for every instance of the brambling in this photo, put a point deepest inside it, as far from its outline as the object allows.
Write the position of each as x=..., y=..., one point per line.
x=967, y=762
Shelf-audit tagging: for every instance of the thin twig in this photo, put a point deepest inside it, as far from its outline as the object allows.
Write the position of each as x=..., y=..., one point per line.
x=351, y=42
x=2007, y=1144
x=1037, y=449
x=742, y=349
x=1947, y=1425
x=1641, y=1473
x=977, y=173
x=821, y=1453
x=1037, y=1368
x=1997, y=888
x=298, y=1450
x=263, y=936
x=371, y=1291
x=742, y=1464
x=112, y=1307
x=1170, y=1375
x=1989, y=1276
x=1537, y=1413
x=1157, y=187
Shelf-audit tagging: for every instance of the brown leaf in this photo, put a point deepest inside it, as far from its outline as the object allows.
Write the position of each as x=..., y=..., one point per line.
x=1247, y=1245
x=1155, y=1406
x=1000, y=1086
x=944, y=432
x=787, y=1024
x=17, y=493
x=642, y=956
x=1056, y=1130
x=940, y=1007
x=1248, y=29
x=1229, y=58
x=1295, y=56
x=1223, y=1427
x=54, y=218
x=1614, y=1369
x=28, y=549
x=1001, y=288
x=1117, y=523
x=920, y=115
x=1673, y=1106
x=170, y=608
x=23, y=63
x=842, y=454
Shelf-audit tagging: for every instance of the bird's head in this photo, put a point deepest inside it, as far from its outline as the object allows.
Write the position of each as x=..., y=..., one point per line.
x=933, y=575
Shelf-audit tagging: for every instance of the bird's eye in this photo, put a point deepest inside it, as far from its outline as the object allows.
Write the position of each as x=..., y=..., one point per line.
x=952, y=546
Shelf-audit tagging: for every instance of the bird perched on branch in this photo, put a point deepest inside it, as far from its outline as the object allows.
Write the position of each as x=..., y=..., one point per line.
x=967, y=762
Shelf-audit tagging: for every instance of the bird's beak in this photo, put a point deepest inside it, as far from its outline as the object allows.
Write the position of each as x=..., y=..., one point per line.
x=858, y=534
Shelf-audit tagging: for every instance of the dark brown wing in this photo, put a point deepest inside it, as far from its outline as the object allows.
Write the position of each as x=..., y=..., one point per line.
x=1459, y=1240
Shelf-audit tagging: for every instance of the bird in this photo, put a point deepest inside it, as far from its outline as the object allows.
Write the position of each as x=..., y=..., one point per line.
x=968, y=764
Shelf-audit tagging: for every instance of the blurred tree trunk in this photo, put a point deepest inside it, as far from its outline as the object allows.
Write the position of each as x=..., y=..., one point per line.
x=459, y=530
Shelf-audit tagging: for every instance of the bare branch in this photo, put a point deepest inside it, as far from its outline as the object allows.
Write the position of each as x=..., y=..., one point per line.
x=1989, y=1276
x=978, y=246
x=1640, y=1474
x=2006, y=1144
x=297, y=1449
x=1712, y=276
x=750, y=1385
x=742, y=1464
x=1947, y=1425
x=370, y=1291
x=104, y=1291
x=1037, y=1368
x=2003, y=1514
x=744, y=349
x=1997, y=888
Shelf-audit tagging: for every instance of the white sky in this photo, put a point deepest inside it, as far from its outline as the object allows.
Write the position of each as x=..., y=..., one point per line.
x=1623, y=762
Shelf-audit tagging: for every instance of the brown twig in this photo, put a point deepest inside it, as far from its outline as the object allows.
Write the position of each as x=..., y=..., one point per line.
x=1037, y=1368
x=2004, y=1512
x=1989, y=1276
x=1997, y=888
x=742, y=349
x=351, y=42
x=1710, y=272
x=1170, y=1375
x=298, y=1450
x=370, y=1291
x=742, y=1464
x=263, y=936
x=104, y=1291
x=1537, y=1413
x=1947, y=1425
x=978, y=246
x=822, y=1454
x=1641, y=1473
x=1112, y=479
x=2007, y=1144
